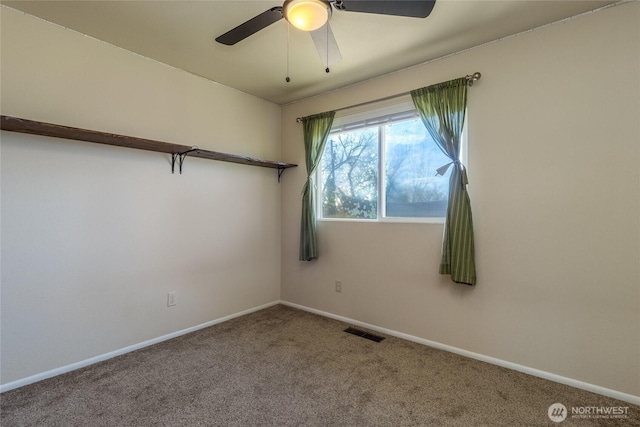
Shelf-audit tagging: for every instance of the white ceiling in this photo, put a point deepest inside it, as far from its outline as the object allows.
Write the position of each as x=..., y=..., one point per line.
x=181, y=33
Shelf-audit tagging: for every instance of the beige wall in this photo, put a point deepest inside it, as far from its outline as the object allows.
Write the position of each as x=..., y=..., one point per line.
x=553, y=167
x=93, y=237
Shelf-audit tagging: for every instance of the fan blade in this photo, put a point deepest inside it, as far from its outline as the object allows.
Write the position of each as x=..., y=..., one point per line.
x=411, y=8
x=326, y=45
x=250, y=27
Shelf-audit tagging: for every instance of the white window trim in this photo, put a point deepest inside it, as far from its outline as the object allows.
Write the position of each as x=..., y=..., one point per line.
x=376, y=114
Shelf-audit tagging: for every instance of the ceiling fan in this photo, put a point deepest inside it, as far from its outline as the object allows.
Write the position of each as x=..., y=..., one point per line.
x=313, y=16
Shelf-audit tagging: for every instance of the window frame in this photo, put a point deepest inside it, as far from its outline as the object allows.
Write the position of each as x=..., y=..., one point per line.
x=376, y=114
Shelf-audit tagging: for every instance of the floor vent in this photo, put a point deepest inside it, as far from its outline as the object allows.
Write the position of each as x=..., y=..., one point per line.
x=364, y=334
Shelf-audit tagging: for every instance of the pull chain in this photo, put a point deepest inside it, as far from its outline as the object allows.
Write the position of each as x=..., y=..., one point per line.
x=288, y=79
x=327, y=69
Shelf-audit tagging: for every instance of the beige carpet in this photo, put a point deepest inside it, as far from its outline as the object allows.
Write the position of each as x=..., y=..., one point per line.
x=285, y=367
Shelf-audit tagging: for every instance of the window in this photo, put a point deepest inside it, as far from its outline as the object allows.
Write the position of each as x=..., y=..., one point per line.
x=381, y=165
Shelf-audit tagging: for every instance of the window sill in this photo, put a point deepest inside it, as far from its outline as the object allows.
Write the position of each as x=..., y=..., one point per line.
x=387, y=220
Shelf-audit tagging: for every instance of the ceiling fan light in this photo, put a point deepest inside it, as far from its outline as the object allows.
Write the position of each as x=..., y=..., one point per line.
x=306, y=15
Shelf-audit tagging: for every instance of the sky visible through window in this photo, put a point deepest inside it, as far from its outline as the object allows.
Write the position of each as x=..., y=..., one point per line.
x=398, y=157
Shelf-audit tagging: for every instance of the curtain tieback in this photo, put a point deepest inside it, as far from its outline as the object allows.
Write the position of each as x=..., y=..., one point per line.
x=307, y=185
x=442, y=170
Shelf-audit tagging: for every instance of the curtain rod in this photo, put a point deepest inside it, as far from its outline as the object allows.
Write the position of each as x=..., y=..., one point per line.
x=470, y=79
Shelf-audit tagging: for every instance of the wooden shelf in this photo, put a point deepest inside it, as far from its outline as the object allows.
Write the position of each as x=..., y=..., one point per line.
x=178, y=151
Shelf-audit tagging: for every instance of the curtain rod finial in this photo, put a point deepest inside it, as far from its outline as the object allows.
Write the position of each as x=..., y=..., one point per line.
x=473, y=78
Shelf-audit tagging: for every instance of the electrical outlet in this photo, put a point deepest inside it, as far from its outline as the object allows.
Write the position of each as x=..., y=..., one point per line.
x=171, y=299
x=338, y=286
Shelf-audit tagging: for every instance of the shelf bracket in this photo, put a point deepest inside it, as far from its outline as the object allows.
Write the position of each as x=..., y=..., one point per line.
x=180, y=157
x=280, y=170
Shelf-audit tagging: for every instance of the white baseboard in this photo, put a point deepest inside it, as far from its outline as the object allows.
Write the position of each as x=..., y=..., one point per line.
x=72, y=367
x=494, y=361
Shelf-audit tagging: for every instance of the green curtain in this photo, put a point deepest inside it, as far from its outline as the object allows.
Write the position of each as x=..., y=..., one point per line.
x=316, y=131
x=442, y=108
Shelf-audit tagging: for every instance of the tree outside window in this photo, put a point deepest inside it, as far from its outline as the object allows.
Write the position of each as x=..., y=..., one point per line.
x=382, y=171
